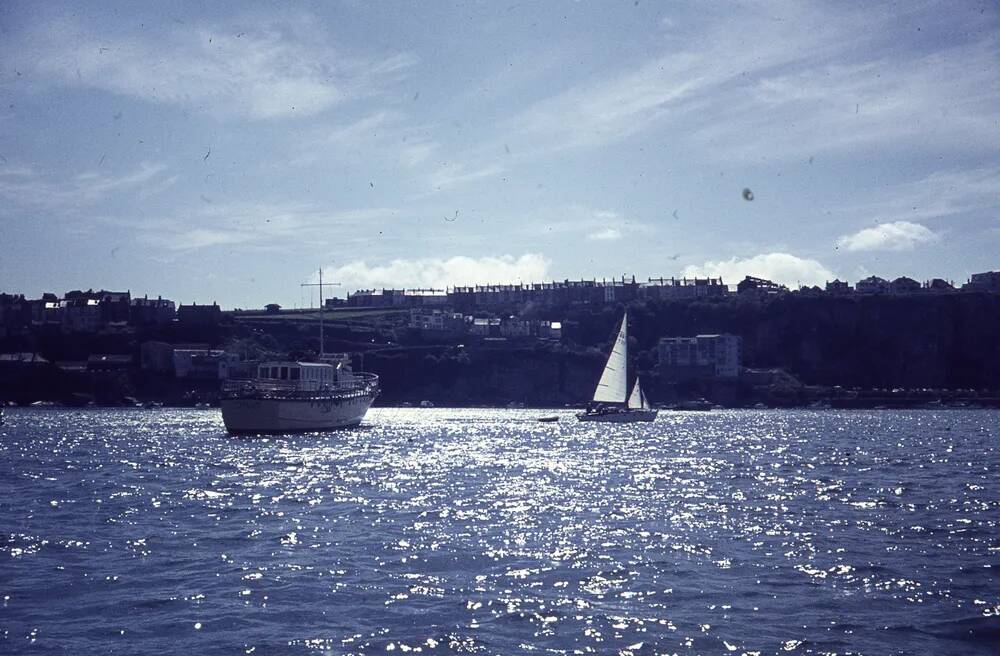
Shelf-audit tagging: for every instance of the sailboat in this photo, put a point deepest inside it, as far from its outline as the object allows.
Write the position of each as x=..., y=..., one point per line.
x=612, y=402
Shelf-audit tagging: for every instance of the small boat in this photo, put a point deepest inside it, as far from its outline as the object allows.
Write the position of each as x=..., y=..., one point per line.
x=612, y=403
x=290, y=397
x=426, y=404
x=696, y=405
x=549, y=419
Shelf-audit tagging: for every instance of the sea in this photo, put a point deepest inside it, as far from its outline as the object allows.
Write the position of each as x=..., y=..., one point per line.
x=482, y=531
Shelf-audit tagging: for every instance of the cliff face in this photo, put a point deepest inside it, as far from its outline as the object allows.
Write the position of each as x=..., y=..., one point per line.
x=948, y=340
x=486, y=376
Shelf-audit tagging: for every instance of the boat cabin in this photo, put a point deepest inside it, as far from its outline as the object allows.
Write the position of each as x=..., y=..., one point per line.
x=302, y=375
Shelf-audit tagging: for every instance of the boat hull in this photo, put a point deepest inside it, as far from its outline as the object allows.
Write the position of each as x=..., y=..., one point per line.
x=256, y=415
x=622, y=417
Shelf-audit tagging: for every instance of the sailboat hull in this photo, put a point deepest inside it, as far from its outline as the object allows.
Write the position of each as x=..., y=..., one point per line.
x=619, y=417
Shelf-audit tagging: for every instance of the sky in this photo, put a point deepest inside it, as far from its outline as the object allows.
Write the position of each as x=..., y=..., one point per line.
x=215, y=155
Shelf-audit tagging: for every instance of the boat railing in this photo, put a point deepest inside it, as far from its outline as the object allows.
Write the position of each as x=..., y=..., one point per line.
x=358, y=385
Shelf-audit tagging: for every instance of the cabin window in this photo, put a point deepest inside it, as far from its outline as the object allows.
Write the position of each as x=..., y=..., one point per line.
x=295, y=374
x=274, y=372
x=284, y=373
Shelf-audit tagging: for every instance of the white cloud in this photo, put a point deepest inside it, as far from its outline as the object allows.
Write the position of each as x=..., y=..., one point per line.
x=441, y=272
x=782, y=268
x=266, y=71
x=895, y=236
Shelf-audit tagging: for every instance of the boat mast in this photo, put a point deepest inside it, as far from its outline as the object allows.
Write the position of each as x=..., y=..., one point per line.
x=322, y=307
x=322, y=342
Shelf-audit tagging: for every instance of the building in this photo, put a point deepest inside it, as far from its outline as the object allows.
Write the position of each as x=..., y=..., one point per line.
x=550, y=330
x=46, y=310
x=872, y=285
x=939, y=285
x=157, y=357
x=81, y=315
x=512, y=327
x=904, y=285
x=620, y=291
x=983, y=282
x=435, y=320
x=272, y=308
x=15, y=314
x=200, y=315
x=702, y=356
x=203, y=364
x=751, y=285
x=838, y=287
x=485, y=327
x=115, y=307
x=682, y=288
x=152, y=311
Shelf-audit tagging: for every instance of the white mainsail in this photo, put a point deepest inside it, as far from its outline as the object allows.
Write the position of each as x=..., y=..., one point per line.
x=637, y=399
x=613, y=386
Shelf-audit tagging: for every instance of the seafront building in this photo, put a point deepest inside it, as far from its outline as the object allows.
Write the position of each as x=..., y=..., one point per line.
x=702, y=356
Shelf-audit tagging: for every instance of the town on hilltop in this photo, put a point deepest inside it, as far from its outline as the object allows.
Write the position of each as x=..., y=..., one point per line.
x=878, y=342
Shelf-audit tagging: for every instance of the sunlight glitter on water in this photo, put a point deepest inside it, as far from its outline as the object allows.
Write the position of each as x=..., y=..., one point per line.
x=449, y=530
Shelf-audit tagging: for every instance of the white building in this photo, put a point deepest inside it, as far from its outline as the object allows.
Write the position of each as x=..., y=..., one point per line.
x=718, y=356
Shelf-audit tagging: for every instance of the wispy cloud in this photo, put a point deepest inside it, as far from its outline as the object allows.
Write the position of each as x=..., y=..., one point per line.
x=783, y=268
x=774, y=81
x=585, y=222
x=895, y=236
x=256, y=226
x=27, y=187
x=942, y=194
x=441, y=272
x=260, y=70
x=455, y=174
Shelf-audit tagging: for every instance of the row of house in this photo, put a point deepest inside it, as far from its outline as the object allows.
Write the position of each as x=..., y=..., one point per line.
x=433, y=321
x=979, y=282
x=95, y=311
x=549, y=294
x=569, y=293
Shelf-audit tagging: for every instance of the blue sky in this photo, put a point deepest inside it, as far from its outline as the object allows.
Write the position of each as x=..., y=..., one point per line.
x=218, y=155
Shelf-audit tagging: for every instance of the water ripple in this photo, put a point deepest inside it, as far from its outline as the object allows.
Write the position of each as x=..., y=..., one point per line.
x=484, y=531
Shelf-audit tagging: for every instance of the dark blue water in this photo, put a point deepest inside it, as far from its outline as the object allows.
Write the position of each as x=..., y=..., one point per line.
x=483, y=531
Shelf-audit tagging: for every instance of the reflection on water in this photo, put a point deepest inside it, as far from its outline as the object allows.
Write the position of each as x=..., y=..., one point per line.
x=484, y=531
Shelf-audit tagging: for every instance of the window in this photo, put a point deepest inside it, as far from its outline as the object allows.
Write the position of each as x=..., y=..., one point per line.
x=295, y=373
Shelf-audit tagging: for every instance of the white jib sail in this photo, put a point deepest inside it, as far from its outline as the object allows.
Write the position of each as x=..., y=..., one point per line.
x=613, y=386
x=637, y=399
